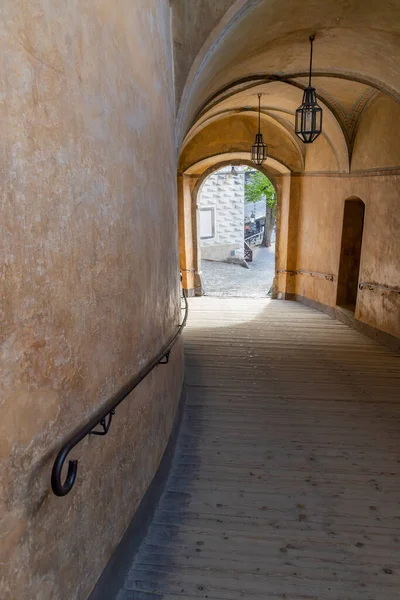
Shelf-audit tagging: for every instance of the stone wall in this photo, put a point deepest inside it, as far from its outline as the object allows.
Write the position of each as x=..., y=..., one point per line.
x=89, y=277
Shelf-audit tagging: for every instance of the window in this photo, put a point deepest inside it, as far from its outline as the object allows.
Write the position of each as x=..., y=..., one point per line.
x=207, y=223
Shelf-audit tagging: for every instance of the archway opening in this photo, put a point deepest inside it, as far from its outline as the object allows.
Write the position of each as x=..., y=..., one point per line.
x=236, y=220
x=350, y=253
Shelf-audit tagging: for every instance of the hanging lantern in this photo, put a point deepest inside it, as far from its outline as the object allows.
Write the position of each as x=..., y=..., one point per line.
x=309, y=114
x=259, y=150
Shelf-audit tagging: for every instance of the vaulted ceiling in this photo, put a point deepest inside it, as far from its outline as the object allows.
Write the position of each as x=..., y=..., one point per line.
x=263, y=48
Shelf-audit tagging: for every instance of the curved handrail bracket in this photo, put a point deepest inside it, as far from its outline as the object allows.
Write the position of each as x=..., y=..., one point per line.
x=103, y=418
x=104, y=424
x=165, y=359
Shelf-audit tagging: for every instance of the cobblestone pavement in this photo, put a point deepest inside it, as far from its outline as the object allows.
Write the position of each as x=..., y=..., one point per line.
x=229, y=280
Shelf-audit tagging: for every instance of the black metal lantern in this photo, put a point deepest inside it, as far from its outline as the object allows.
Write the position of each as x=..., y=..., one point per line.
x=259, y=150
x=309, y=114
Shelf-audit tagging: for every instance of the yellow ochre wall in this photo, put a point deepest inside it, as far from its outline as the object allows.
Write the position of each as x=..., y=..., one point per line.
x=375, y=179
x=319, y=239
x=89, y=277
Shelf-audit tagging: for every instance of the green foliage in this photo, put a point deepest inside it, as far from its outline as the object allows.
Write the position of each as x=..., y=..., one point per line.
x=258, y=187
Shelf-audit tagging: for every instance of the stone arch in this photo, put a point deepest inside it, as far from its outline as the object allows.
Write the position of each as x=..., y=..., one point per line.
x=266, y=118
x=279, y=103
x=235, y=162
x=189, y=184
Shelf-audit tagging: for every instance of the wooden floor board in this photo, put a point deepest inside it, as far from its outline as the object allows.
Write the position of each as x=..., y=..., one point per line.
x=286, y=479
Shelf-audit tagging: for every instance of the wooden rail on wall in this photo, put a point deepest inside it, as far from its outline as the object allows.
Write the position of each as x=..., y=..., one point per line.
x=377, y=286
x=327, y=276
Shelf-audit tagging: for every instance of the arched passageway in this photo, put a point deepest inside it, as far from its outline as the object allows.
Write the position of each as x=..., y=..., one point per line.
x=275, y=489
x=235, y=224
x=357, y=154
x=189, y=185
x=103, y=105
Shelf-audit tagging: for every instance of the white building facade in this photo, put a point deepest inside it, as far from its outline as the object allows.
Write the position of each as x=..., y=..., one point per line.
x=221, y=214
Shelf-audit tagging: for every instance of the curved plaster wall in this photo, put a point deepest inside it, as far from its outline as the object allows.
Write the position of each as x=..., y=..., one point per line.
x=87, y=113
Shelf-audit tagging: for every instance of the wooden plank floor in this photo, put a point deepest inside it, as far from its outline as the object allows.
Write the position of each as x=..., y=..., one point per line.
x=286, y=481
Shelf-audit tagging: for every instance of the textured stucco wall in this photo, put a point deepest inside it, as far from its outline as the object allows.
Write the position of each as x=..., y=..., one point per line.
x=186, y=226
x=89, y=277
x=375, y=180
x=224, y=193
x=320, y=156
x=289, y=192
x=320, y=221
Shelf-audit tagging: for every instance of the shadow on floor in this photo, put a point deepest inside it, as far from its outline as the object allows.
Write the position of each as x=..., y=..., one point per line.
x=285, y=478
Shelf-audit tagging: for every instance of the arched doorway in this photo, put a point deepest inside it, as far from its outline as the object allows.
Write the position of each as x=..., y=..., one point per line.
x=190, y=180
x=236, y=215
x=194, y=181
x=350, y=253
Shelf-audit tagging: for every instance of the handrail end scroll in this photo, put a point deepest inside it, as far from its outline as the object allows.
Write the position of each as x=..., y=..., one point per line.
x=59, y=488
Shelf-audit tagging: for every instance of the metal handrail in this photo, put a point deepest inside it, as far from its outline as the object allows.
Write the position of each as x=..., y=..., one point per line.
x=104, y=416
x=371, y=286
x=250, y=238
